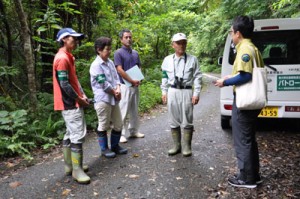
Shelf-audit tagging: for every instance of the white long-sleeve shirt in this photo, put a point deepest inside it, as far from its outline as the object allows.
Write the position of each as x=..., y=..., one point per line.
x=188, y=70
x=104, y=78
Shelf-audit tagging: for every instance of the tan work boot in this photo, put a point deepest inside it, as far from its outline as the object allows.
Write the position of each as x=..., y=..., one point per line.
x=176, y=135
x=123, y=139
x=187, y=142
x=137, y=135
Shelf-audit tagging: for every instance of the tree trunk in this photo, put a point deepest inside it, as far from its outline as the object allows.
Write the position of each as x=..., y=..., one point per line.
x=45, y=59
x=8, y=38
x=28, y=54
x=8, y=34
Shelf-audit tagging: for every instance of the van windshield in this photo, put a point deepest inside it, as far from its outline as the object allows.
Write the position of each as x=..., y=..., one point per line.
x=277, y=47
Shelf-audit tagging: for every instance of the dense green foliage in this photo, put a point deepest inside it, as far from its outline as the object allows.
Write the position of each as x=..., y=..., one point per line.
x=152, y=22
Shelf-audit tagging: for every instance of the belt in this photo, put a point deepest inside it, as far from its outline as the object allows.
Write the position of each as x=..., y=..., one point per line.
x=181, y=87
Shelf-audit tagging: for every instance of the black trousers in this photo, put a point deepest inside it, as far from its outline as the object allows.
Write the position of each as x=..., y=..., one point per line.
x=243, y=130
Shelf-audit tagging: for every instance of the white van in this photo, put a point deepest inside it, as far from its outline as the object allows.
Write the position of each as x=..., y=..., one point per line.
x=279, y=43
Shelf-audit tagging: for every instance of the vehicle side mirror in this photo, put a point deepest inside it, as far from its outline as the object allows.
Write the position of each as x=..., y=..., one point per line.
x=220, y=60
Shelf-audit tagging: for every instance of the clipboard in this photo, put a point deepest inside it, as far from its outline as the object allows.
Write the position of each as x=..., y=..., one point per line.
x=134, y=73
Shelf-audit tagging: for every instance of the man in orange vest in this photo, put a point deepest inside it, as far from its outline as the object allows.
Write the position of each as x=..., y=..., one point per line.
x=70, y=99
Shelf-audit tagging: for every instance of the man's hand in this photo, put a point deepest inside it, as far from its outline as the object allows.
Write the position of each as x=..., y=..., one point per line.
x=195, y=100
x=219, y=83
x=164, y=99
x=117, y=94
x=125, y=76
x=135, y=83
x=82, y=101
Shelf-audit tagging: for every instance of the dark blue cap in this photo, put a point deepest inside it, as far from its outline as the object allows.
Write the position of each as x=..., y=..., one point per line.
x=68, y=32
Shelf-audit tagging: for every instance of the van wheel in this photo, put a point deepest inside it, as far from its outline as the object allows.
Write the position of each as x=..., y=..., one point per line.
x=225, y=122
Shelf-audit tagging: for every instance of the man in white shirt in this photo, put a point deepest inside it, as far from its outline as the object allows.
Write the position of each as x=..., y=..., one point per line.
x=181, y=85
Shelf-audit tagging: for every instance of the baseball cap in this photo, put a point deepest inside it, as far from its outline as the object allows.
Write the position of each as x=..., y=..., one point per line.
x=68, y=32
x=178, y=37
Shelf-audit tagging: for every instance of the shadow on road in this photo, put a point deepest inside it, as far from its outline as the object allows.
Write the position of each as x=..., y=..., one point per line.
x=281, y=125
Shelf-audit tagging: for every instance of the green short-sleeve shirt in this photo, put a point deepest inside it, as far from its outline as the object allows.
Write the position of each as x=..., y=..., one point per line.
x=244, y=57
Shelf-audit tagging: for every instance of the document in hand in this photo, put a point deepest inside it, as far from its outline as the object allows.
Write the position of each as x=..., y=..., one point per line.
x=134, y=73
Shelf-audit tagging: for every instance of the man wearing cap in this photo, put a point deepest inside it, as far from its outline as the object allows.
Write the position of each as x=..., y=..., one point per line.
x=125, y=58
x=181, y=85
x=70, y=98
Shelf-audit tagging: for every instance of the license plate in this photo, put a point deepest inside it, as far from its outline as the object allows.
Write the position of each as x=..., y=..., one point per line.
x=269, y=111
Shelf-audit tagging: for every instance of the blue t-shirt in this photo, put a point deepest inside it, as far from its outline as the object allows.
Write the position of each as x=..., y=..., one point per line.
x=127, y=58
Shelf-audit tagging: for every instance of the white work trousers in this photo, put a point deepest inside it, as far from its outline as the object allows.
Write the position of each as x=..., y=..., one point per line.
x=129, y=103
x=75, y=124
x=180, y=107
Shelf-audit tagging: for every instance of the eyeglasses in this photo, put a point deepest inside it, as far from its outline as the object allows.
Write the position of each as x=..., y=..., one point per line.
x=230, y=31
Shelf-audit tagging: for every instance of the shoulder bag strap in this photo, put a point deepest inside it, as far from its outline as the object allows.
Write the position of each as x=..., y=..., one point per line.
x=254, y=56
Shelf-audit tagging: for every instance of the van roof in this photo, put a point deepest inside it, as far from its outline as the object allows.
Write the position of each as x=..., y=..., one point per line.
x=277, y=24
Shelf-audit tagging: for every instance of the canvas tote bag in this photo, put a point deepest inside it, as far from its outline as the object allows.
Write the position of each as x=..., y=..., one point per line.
x=253, y=94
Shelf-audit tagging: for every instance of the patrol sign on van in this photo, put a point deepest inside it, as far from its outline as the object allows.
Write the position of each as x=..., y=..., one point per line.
x=279, y=43
x=288, y=82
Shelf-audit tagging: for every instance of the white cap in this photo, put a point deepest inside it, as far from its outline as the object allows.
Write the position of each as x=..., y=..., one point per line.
x=179, y=36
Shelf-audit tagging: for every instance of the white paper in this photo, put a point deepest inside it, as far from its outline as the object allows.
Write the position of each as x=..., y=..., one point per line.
x=134, y=73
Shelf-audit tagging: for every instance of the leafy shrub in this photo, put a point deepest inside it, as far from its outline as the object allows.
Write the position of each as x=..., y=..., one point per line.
x=91, y=117
x=150, y=95
x=209, y=65
x=13, y=137
x=7, y=103
x=47, y=133
x=153, y=74
x=21, y=131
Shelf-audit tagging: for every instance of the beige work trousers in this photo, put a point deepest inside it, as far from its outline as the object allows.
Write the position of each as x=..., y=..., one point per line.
x=108, y=115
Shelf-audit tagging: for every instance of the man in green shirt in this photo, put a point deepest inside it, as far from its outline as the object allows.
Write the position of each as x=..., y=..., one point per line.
x=243, y=121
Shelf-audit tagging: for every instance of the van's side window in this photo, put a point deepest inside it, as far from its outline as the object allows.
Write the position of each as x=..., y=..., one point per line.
x=277, y=47
x=275, y=53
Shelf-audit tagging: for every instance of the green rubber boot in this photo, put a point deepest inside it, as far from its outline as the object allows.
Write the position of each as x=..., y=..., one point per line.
x=68, y=160
x=78, y=174
x=176, y=135
x=187, y=142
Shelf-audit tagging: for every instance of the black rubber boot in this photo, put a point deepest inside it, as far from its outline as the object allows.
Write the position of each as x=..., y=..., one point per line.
x=103, y=143
x=115, y=139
